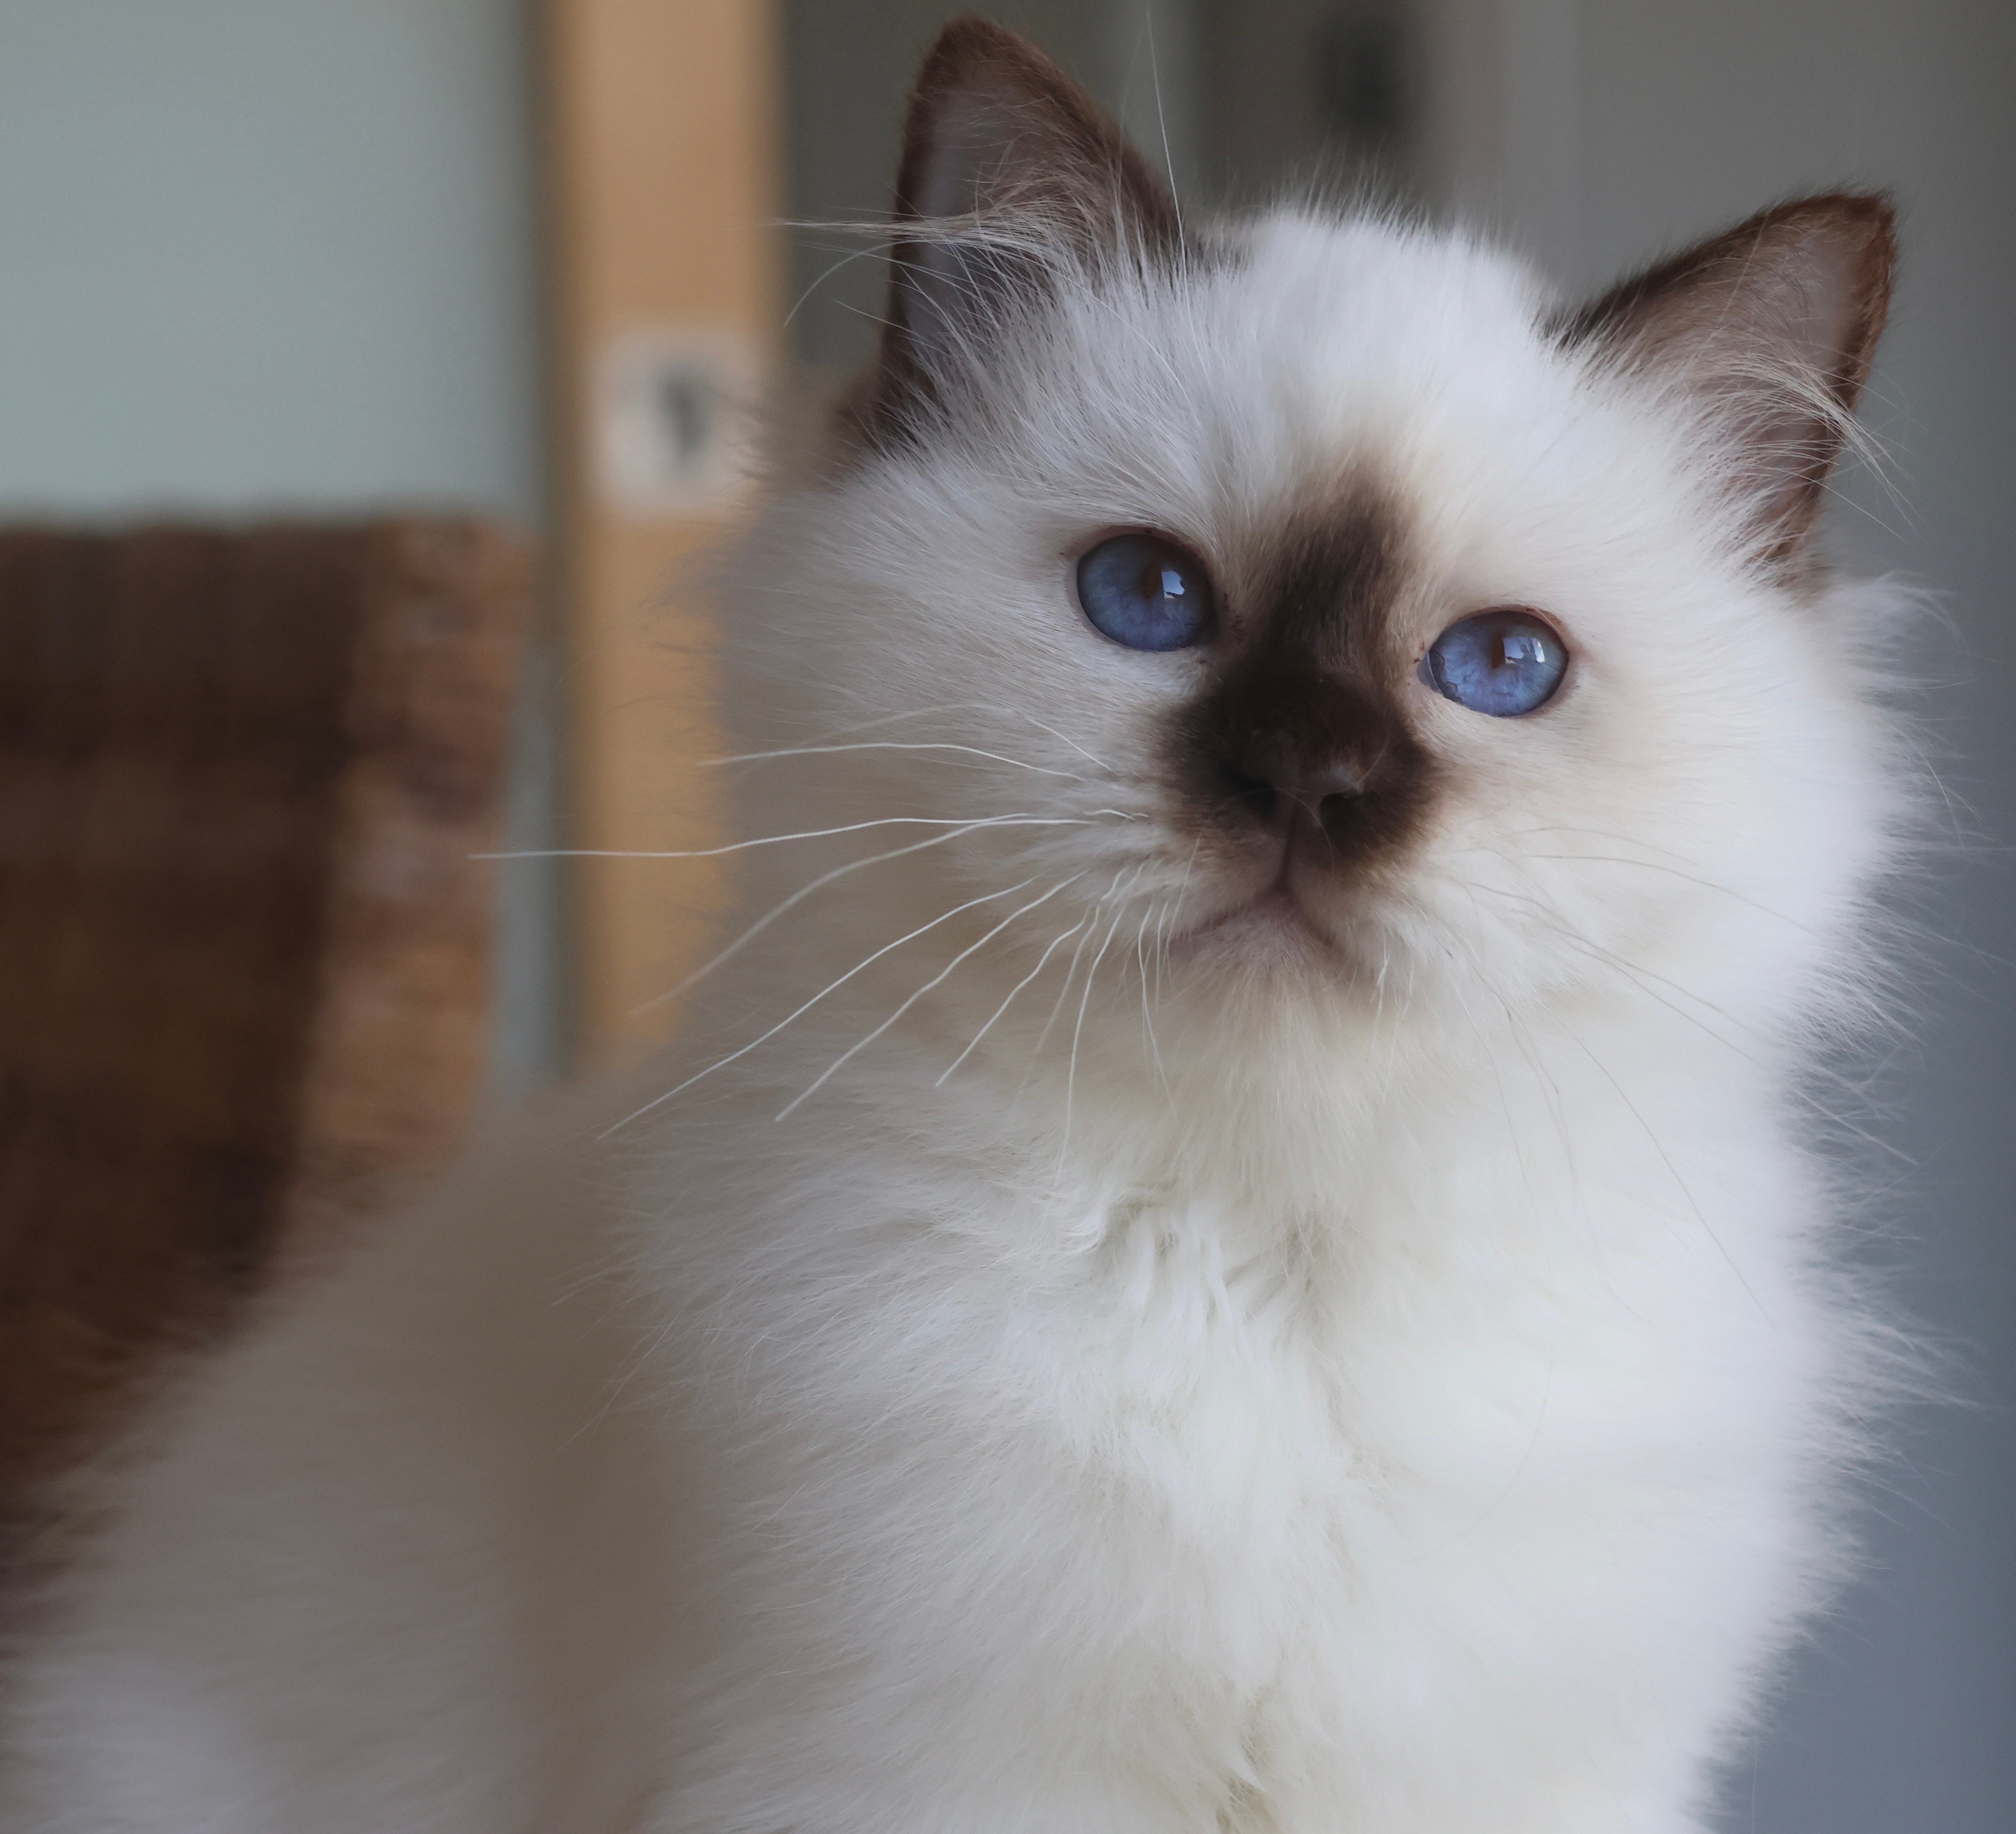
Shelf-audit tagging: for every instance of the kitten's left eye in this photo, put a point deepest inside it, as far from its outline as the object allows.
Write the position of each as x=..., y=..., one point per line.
x=1144, y=591
x=1503, y=663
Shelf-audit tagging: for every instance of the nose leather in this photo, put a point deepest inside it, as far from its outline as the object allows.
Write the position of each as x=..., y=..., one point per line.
x=1273, y=789
x=1306, y=755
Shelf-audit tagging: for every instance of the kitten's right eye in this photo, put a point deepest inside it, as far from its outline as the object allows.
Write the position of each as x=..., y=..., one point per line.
x=1145, y=591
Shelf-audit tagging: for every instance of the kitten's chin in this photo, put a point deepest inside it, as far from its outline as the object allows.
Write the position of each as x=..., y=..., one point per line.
x=1273, y=930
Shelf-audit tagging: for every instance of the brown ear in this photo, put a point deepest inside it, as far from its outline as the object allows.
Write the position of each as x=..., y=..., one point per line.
x=1773, y=326
x=999, y=143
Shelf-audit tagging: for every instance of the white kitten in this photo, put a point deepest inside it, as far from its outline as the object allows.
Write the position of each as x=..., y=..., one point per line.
x=1230, y=1248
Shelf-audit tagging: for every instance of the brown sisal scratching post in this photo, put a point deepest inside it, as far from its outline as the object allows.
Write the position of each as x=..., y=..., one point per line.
x=243, y=946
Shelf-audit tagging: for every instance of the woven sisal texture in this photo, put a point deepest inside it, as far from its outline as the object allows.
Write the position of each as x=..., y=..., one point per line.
x=243, y=945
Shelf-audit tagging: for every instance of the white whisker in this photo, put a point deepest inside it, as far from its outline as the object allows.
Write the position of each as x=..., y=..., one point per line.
x=1067, y=739
x=1077, y=1030
x=1070, y=975
x=1056, y=942
x=888, y=745
x=1635, y=976
x=1657, y=865
x=936, y=980
x=1141, y=956
x=833, y=733
x=1162, y=124
x=852, y=828
x=1659, y=1147
x=797, y=898
x=866, y=961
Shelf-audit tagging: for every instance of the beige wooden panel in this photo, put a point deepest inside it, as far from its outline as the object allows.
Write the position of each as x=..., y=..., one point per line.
x=663, y=129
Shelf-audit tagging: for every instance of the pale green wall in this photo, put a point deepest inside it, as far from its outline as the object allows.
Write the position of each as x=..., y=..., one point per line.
x=260, y=253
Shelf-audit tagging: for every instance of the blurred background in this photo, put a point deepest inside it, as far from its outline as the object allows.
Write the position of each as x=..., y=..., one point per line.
x=340, y=260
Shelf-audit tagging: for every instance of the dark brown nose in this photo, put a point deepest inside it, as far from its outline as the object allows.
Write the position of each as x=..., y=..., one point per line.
x=1306, y=758
x=1275, y=787
x=1292, y=748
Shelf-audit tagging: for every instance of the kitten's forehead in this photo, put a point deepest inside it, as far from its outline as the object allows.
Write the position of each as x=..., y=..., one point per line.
x=1356, y=303
x=1312, y=365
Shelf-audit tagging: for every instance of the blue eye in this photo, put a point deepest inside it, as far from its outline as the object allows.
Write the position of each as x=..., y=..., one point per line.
x=1144, y=591
x=1503, y=663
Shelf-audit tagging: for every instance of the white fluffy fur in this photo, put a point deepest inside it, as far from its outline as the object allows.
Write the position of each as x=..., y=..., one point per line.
x=1397, y=1392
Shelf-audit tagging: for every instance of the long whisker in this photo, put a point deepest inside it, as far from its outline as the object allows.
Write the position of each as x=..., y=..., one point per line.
x=1659, y=866
x=1056, y=942
x=852, y=828
x=1141, y=955
x=1659, y=1148
x=869, y=726
x=798, y=898
x=1189, y=866
x=1632, y=973
x=1078, y=1031
x=866, y=961
x=1067, y=739
x=1522, y=1042
x=1710, y=884
x=887, y=745
x=936, y=980
x=824, y=274
x=1638, y=974
x=1161, y=122
x=1497, y=1080
x=1071, y=976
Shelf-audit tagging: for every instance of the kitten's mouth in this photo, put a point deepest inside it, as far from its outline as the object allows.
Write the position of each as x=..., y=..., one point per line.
x=1273, y=920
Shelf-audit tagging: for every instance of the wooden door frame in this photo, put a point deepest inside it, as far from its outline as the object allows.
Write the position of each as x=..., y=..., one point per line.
x=662, y=132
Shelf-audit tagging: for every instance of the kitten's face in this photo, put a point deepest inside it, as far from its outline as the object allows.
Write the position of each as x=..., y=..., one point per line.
x=1308, y=613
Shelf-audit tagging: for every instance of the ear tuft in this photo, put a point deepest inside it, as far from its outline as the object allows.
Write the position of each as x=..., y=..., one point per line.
x=1013, y=170
x=1772, y=327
